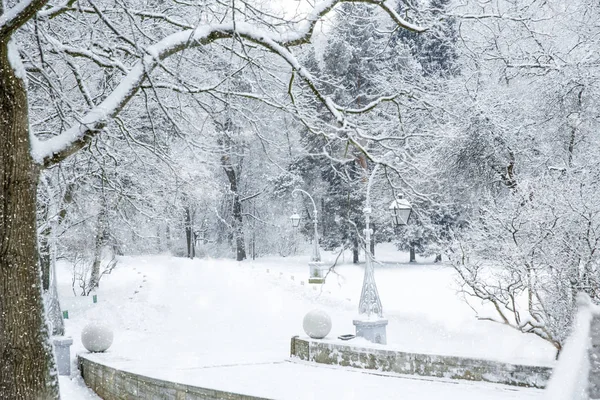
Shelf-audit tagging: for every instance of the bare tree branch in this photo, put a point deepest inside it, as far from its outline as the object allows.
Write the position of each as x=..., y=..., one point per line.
x=56, y=149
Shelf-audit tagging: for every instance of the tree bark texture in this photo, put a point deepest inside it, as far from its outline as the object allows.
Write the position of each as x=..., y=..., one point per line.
x=189, y=233
x=355, y=252
x=238, y=222
x=27, y=369
x=99, y=243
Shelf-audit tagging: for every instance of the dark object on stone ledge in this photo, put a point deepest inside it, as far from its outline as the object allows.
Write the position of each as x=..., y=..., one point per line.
x=346, y=337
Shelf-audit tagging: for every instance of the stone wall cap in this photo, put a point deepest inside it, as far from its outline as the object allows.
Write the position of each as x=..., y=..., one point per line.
x=62, y=340
x=370, y=322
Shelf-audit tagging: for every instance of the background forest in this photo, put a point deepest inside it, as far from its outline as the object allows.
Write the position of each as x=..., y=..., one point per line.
x=487, y=123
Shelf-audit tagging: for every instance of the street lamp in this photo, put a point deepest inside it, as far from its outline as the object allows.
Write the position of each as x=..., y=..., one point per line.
x=401, y=210
x=315, y=265
x=370, y=323
x=295, y=218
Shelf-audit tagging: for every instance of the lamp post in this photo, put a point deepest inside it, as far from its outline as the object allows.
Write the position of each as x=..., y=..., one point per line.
x=371, y=324
x=315, y=265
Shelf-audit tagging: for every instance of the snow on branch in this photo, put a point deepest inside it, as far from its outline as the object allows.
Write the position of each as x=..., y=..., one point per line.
x=299, y=36
x=13, y=18
x=55, y=149
x=496, y=16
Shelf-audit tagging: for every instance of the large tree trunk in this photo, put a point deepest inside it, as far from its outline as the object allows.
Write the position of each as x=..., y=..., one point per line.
x=27, y=369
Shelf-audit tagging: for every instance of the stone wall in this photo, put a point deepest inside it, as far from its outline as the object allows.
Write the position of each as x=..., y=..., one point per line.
x=419, y=364
x=114, y=384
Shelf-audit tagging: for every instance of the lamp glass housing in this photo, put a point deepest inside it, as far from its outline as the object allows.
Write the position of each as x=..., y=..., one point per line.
x=295, y=218
x=401, y=210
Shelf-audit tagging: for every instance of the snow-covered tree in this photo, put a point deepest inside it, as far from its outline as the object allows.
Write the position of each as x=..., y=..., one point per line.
x=88, y=61
x=520, y=157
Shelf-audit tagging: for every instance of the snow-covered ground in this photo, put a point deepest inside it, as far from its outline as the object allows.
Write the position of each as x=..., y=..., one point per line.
x=73, y=388
x=227, y=325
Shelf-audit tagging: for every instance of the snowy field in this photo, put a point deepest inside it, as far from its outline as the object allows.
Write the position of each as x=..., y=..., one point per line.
x=227, y=325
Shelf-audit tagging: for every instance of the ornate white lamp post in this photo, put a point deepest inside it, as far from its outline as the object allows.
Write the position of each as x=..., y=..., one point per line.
x=316, y=273
x=371, y=324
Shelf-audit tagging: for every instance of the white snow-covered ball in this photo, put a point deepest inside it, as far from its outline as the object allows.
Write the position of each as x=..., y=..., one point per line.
x=317, y=324
x=96, y=337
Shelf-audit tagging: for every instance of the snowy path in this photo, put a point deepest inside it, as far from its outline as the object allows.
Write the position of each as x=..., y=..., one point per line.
x=227, y=325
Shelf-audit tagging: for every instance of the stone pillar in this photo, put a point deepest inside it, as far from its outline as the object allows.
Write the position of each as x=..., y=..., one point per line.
x=317, y=272
x=62, y=351
x=372, y=330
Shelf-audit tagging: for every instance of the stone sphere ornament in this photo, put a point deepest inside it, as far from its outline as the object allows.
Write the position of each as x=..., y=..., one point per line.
x=96, y=337
x=317, y=324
